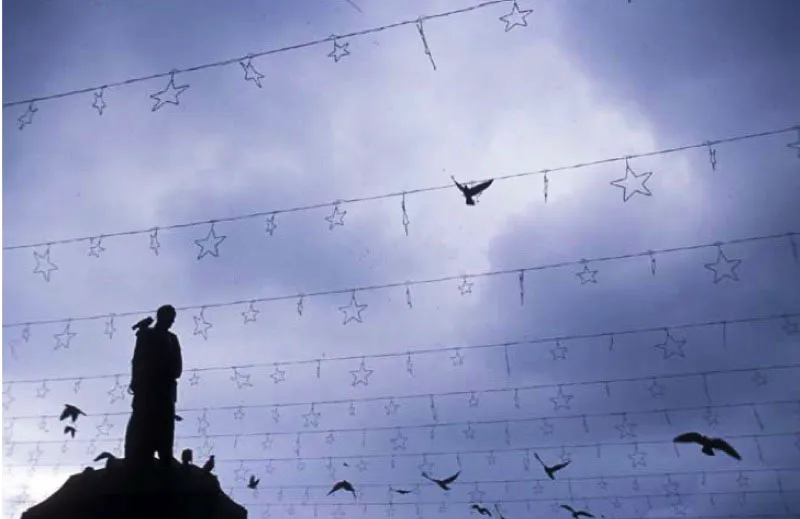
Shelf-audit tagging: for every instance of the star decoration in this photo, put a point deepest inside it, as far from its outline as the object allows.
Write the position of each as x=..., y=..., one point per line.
x=104, y=427
x=43, y=264
x=91, y=448
x=43, y=425
x=561, y=400
x=637, y=458
x=99, y=103
x=425, y=465
x=711, y=417
x=172, y=91
x=41, y=391
x=603, y=484
x=796, y=144
x=469, y=432
x=352, y=312
x=250, y=72
x=656, y=389
x=391, y=407
x=672, y=347
x=399, y=442
x=34, y=455
x=194, y=379
x=27, y=116
x=278, y=375
x=538, y=488
x=587, y=275
x=95, y=247
x=791, y=327
x=117, y=392
x=267, y=443
x=202, y=424
x=210, y=244
x=110, y=327
x=270, y=224
x=547, y=428
x=671, y=487
x=301, y=466
x=300, y=305
x=250, y=314
x=723, y=267
x=154, y=244
x=311, y=418
x=330, y=438
x=200, y=320
x=559, y=352
x=626, y=429
x=241, y=379
x=759, y=379
x=238, y=414
x=339, y=50
x=361, y=375
x=362, y=466
x=474, y=400
x=26, y=333
x=276, y=414
x=8, y=398
x=457, y=359
x=336, y=218
x=466, y=286
x=240, y=473
x=205, y=449
x=9, y=451
x=617, y=503
x=63, y=339
x=565, y=455
x=477, y=495
x=516, y=17
x=491, y=459
x=632, y=183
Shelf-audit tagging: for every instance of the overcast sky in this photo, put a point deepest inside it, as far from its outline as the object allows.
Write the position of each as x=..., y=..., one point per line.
x=603, y=369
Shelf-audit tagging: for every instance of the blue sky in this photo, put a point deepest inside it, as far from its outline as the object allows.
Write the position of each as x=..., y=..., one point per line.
x=583, y=81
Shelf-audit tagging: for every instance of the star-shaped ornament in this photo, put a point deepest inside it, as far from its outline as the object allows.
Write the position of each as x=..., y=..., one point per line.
x=278, y=375
x=352, y=409
x=587, y=275
x=311, y=418
x=561, y=400
x=43, y=390
x=361, y=375
x=656, y=389
x=240, y=474
x=110, y=327
x=632, y=183
x=336, y=218
x=270, y=224
x=117, y=392
x=241, y=379
x=672, y=347
x=477, y=495
x=96, y=247
x=711, y=417
x=723, y=267
x=391, y=407
x=8, y=398
x=27, y=116
x=457, y=359
x=250, y=314
x=43, y=264
x=469, y=432
x=250, y=72
x=205, y=450
x=603, y=484
x=626, y=429
x=559, y=352
x=104, y=427
x=547, y=428
x=759, y=379
x=238, y=414
x=201, y=327
x=466, y=286
x=170, y=94
x=63, y=339
x=99, y=103
x=194, y=379
x=276, y=414
x=330, y=438
x=352, y=311
x=339, y=50
x=362, y=465
x=671, y=487
x=516, y=17
x=209, y=244
x=154, y=243
x=791, y=327
x=425, y=465
x=637, y=458
x=203, y=424
x=399, y=442
x=267, y=443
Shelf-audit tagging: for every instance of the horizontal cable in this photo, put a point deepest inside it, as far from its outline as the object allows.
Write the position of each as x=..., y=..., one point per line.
x=399, y=194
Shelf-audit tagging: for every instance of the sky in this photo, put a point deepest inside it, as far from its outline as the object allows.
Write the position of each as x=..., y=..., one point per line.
x=439, y=374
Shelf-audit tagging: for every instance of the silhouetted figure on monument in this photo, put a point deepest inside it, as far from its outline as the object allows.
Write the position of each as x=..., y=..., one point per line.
x=157, y=364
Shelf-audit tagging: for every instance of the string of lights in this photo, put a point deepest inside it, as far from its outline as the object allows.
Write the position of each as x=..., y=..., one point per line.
x=517, y=18
x=722, y=269
x=638, y=456
x=210, y=244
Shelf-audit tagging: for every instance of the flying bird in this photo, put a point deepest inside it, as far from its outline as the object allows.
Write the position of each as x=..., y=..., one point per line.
x=481, y=510
x=400, y=491
x=186, y=456
x=72, y=412
x=69, y=429
x=444, y=484
x=551, y=470
x=343, y=485
x=470, y=192
x=253, y=483
x=576, y=514
x=105, y=456
x=208, y=466
x=708, y=444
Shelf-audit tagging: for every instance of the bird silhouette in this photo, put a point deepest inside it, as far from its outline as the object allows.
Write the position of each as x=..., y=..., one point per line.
x=253, y=483
x=72, y=412
x=708, y=444
x=69, y=429
x=144, y=323
x=186, y=456
x=481, y=510
x=105, y=455
x=343, y=485
x=178, y=418
x=208, y=466
x=444, y=484
x=400, y=491
x=470, y=192
x=576, y=514
x=551, y=470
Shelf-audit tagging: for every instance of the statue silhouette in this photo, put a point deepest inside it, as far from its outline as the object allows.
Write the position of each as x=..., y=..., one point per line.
x=156, y=366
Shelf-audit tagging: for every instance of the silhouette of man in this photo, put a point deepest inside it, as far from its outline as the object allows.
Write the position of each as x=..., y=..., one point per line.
x=156, y=366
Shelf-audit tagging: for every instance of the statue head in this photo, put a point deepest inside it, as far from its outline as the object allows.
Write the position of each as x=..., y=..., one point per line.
x=165, y=317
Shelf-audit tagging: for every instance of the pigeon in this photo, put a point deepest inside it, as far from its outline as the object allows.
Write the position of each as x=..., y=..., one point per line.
x=709, y=444
x=253, y=483
x=481, y=510
x=186, y=456
x=105, y=456
x=208, y=466
x=343, y=485
x=551, y=470
x=471, y=192
x=576, y=515
x=144, y=323
x=400, y=491
x=72, y=412
x=178, y=418
x=69, y=429
x=444, y=484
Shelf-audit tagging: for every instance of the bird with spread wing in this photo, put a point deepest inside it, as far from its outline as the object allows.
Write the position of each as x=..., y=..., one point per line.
x=709, y=444
x=552, y=470
x=471, y=192
x=444, y=484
